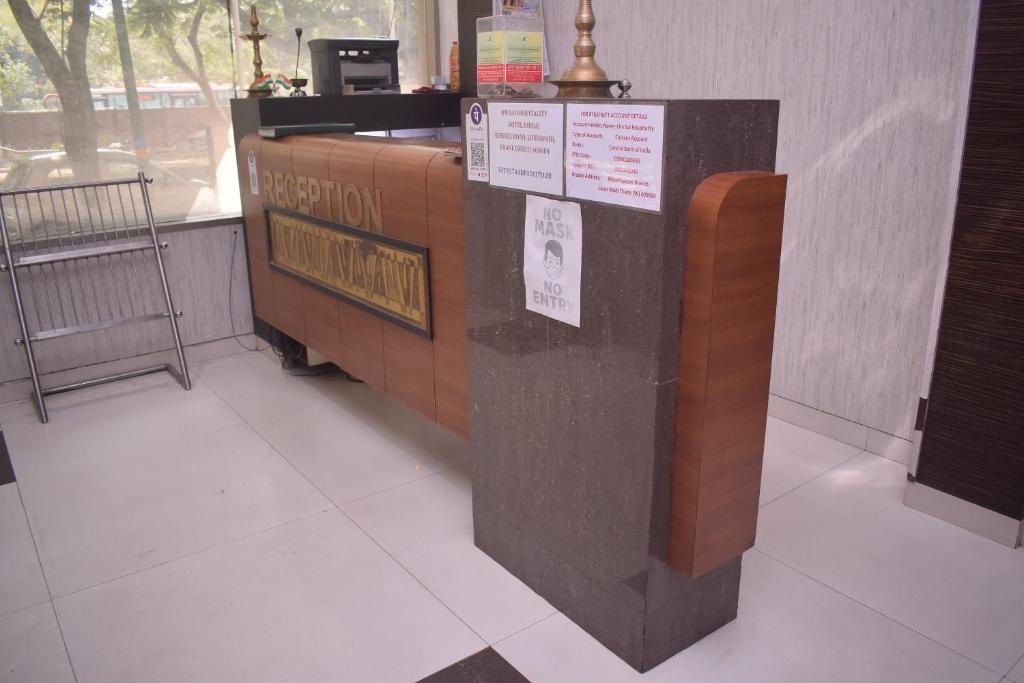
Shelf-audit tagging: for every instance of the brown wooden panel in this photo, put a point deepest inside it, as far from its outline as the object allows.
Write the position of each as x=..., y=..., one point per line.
x=255, y=230
x=362, y=345
x=288, y=313
x=311, y=158
x=352, y=160
x=412, y=207
x=448, y=287
x=409, y=369
x=400, y=173
x=276, y=159
x=733, y=246
x=320, y=312
x=262, y=284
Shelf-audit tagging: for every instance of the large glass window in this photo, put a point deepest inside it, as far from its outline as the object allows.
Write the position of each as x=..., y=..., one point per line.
x=66, y=114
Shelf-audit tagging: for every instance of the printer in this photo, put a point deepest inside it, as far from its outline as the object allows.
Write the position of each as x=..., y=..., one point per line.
x=367, y=64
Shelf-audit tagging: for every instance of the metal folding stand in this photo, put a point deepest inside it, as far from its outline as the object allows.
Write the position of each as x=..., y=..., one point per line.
x=84, y=257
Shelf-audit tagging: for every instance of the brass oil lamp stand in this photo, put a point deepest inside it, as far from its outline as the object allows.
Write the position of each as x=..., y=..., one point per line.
x=255, y=37
x=584, y=79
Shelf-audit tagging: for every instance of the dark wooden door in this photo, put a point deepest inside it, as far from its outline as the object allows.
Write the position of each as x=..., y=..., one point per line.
x=973, y=439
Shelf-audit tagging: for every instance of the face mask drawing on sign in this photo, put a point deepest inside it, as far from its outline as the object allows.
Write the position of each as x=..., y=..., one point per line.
x=553, y=259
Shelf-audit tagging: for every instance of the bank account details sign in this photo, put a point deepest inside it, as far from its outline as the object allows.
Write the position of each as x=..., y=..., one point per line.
x=553, y=258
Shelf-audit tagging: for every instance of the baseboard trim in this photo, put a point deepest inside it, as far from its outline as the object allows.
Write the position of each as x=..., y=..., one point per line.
x=966, y=515
x=16, y=390
x=852, y=433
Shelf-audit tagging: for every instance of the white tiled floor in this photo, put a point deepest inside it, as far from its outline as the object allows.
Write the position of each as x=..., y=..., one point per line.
x=265, y=527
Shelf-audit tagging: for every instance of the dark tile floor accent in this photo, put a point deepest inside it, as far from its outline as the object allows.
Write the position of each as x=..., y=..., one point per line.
x=6, y=469
x=486, y=666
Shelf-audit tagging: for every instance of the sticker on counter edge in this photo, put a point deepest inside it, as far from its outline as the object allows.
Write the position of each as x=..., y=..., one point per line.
x=476, y=145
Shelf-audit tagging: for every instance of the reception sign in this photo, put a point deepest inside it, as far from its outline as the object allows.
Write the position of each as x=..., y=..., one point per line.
x=380, y=274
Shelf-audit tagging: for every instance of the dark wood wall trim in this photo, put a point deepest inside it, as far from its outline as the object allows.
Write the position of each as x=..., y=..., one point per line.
x=973, y=441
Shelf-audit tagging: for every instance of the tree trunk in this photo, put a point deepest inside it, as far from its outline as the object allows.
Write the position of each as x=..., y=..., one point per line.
x=71, y=81
x=197, y=55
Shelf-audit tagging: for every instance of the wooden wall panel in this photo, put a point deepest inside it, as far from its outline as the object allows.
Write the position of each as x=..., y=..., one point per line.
x=409, y=369
x=733, y=246
x=448, y=284
x=429, y=375
x=287, y=292
x=311, y=158
x=320, y=312
x=400, y=173
x=360, y=333
x=288, y=311
x=971, y=445
x=362, y=345
x=255, y=231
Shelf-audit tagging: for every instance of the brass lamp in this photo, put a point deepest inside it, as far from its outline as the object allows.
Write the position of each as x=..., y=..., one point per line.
x=584, y=79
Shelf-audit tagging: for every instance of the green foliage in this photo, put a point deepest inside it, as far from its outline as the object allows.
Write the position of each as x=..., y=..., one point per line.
x=152, y=23
x=18, y=88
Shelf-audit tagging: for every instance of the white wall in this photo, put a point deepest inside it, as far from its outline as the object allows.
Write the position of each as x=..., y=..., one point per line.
x=874, y=96
x=199, y=267
x=447, y=30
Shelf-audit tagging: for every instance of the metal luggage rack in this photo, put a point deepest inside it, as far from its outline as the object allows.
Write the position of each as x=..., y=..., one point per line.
x=84, y=257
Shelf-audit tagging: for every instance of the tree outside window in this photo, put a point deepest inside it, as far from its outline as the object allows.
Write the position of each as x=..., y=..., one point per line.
x=65, y=102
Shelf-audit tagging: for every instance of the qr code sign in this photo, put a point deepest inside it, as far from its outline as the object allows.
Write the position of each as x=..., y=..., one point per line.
x=477, y=155
x=476, y=141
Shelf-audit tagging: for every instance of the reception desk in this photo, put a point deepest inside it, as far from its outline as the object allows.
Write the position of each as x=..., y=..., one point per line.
x=616, y=437
x=355, y=250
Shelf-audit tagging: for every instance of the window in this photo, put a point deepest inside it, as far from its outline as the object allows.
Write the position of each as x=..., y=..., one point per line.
x=188, y=62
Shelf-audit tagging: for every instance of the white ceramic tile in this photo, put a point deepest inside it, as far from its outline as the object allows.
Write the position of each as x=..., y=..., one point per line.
x=31, y=649
x=831, y=426
x=21, y=579
x=790, y=629
x=257, y=387
x=850, y=530
x=888, y=446
x=1017, y=673
x=314, y=600
x=160, y=504
x=197, y=353
x=350, y=453
x=794, y=456
x=428, y=527
x=90, y=426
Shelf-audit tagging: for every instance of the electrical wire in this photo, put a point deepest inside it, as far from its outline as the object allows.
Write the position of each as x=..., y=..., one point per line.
x=231, y=290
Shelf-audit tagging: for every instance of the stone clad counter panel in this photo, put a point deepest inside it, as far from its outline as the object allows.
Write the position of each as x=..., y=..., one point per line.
x=573, y=429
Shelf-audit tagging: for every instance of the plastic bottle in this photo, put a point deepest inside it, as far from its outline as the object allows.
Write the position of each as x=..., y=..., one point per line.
x=453, y=66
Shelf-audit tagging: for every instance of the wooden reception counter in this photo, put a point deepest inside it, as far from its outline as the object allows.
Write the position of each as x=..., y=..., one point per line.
x=355, y=249
x=612, y=321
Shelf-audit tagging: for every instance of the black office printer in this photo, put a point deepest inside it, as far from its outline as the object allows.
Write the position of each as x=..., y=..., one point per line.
x=367, y=64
